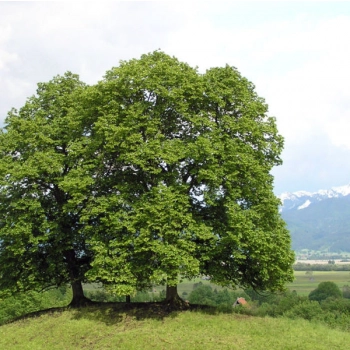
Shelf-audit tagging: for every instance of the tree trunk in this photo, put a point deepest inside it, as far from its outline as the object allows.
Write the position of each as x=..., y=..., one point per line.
x=173, y=299
x=128, y=299
x=79, y=298
x=171, y=293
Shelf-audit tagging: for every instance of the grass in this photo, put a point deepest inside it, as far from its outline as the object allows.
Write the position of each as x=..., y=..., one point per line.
x=117, y=328
x=304, y=284
x=114, y=327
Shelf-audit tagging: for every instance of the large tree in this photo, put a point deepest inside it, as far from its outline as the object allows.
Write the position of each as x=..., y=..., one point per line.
x=42, y=241
x=186, y=186
x=155, y=173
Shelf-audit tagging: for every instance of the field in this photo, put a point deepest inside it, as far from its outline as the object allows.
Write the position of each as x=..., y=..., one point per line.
x=304, y=283
x=110, y=328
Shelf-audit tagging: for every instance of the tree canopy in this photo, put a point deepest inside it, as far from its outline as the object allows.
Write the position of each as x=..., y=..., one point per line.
x=41, y=238
x=325, y=290
x=164, y=171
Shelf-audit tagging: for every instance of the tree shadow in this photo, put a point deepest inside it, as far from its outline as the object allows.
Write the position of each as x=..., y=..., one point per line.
x=36, y=314
x=112, y=313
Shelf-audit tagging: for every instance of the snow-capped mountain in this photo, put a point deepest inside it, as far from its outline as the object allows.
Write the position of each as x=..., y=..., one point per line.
x=302, y=199
x=318, y=220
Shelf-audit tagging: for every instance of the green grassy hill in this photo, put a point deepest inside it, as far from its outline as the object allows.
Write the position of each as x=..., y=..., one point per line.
x=112, y=327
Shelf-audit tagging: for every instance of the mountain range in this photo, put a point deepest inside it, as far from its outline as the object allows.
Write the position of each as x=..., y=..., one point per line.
x=318, y=220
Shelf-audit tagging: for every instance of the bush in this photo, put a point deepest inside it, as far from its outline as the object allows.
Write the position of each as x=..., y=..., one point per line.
x=25, y=303
x=336, y=305
x=103, y=296
x=203, y=295
x=325, y=290
x=309, y=310
x=261, y=296
x=346, y=292
x=278, y=304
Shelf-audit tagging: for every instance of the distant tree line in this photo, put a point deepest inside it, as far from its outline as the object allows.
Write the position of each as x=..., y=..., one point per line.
x=321, y=267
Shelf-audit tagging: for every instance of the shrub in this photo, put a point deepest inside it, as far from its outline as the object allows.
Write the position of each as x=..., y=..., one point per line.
x=346, y=292
x=325, y=290
x=261, y=296
x=309, y=310
x=336, y=305
x=203, y=295
x=103, y=296
x=25, y=303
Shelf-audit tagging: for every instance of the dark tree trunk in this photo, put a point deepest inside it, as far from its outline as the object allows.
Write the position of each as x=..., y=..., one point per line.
x=171, y=293
x=173, y=299
x=128, y=299
x=79, y=298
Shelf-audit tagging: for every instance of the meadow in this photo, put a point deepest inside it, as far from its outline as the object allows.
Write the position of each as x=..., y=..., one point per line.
x=150, y=326
x=305, y=282
x=110, y=328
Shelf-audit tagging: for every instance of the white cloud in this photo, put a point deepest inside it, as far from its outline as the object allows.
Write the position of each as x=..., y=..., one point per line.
x=6, y=57
x=296, y=54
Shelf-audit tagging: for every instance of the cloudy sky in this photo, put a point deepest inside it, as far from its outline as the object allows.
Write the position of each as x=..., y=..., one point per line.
x=297, y=53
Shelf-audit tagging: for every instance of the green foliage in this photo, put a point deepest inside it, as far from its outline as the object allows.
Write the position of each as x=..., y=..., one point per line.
x=335, y=313
x=155, y=172
x=336, y=305
x=102, y=295
x=25, y=303
x=321, y=267
x=260, y=296
x=42, y=243
x=186, y=186
x=202, y=295
x=346, y=292
x=309, y=310
x=223, y=299
x=325, y=290
x=274, y=304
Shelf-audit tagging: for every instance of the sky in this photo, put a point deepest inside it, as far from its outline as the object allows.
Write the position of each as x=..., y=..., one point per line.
x=297, y=53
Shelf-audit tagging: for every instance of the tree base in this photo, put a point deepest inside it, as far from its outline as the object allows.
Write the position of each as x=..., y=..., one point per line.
x=80, y=302
x=173, y=299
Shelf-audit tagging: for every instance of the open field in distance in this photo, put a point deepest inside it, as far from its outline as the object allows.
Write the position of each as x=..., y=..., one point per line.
x=322, y=262
x=303, y=284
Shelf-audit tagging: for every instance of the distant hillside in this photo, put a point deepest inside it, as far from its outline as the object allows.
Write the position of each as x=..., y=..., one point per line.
x=319, y=220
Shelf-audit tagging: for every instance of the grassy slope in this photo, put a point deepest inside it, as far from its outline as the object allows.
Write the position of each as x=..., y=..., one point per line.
x=113, y=328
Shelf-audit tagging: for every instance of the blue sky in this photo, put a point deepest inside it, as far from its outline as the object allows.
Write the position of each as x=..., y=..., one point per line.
x=297, y=53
